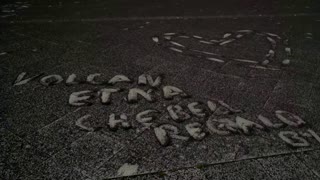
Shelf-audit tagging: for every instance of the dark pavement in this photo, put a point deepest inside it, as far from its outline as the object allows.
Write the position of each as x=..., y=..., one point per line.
x=84, y=9
x=251, y=70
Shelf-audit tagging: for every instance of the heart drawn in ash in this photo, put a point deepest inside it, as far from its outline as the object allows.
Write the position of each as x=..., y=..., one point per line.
x=230, y=47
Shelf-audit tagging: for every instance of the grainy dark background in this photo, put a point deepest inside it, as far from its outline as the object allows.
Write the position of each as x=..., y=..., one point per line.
x=38, y=135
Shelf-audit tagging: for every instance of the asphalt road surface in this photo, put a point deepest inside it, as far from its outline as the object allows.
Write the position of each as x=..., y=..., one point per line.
x=180, y=89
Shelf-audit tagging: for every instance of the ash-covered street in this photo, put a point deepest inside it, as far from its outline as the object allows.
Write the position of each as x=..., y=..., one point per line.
x=159, y=90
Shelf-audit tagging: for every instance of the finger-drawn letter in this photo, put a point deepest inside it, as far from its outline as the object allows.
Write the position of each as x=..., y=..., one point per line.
x=106, y=95
x=291, y=138
x=170, y=91
x=133, y=95
x=80, y=98
x=116, y=123
x=194, y=129
x=19, y=80
x=177, y=114
x=51, y=80
x=289, y=118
